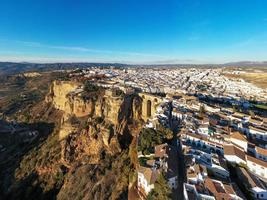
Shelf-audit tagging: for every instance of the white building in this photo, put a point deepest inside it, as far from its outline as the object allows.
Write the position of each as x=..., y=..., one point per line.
x=239, y=140
x=261, y=153
x=257, y=166
x=234, y=154
x=259, y=193
x=257, y=133
x=203, y=142
x=252, y=183
x=146, y=179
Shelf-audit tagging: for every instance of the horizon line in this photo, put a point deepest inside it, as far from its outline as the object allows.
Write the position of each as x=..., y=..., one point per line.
x=131, y=63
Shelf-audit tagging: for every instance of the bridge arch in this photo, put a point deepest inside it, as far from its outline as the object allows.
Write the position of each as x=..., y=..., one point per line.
x=148, y=108
x=149, y=105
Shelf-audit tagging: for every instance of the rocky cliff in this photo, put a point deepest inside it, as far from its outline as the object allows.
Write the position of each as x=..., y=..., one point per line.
x=67, y=96
x=87, y=155
x=107, y=123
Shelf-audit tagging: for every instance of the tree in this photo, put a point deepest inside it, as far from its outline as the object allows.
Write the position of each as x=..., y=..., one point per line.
x=166, y=132
x=169, y=134
x=149, y=138
x=89, y=87
x=161, y=189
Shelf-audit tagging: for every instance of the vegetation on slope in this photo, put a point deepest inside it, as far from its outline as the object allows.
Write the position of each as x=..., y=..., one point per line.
x=108, y=180
x=149, y=138
x=161, y=190
x=18, y=94
x=37, y=169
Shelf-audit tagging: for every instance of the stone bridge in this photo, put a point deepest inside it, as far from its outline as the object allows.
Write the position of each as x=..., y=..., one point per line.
x=149, y=105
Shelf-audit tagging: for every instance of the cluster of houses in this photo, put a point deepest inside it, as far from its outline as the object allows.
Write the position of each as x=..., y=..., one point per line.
x=207, y=177
x=225, y=151
x=213, y=139
x=224, y=145
x=164, y=159
x=170, y=80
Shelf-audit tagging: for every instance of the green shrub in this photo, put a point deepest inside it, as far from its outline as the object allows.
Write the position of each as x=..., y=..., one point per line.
x=148, y=139
x=161, y=190
x=89, y=87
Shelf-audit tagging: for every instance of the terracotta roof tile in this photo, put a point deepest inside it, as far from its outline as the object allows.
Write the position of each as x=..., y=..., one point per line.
x=238, y=136
x=261, y=151
x=149, y=174
x=257, y=161
x=233, y=150
x=217, y=189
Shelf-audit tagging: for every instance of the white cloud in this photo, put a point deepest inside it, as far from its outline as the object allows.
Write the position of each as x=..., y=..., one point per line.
x=85, y=49
x=20, y=57
x=47, y=59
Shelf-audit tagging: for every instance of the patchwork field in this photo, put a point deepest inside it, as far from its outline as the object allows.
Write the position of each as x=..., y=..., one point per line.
x=258, y=78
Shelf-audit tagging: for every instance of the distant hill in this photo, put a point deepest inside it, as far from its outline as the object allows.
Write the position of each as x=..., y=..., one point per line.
x=9, y=68
x=247, y=64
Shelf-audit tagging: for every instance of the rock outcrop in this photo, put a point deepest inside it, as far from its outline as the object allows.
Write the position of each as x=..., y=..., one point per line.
x=67, y=96
x=94, y=124
x=87, y=153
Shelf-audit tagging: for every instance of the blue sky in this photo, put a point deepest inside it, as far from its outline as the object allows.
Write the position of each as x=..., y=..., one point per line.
x=133, y=31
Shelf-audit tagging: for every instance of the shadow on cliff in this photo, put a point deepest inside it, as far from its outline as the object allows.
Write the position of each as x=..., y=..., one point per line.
x=127, y=118
x=28, y=189
x=17, y=145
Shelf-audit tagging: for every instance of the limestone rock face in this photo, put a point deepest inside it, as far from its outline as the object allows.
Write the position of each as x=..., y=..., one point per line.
x=137, y=108
x=89, y=144
x=64, y=96
x=106, y=117
x=59, y=92
x=80, y=107
x=111, y=107
x=65, y=129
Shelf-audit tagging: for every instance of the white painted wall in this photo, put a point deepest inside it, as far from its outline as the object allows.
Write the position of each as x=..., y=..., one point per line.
x=172, y=182
x=142, y=182
x=259, y=193
x=234, y=159
x=240, y=143
x=257, y=169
